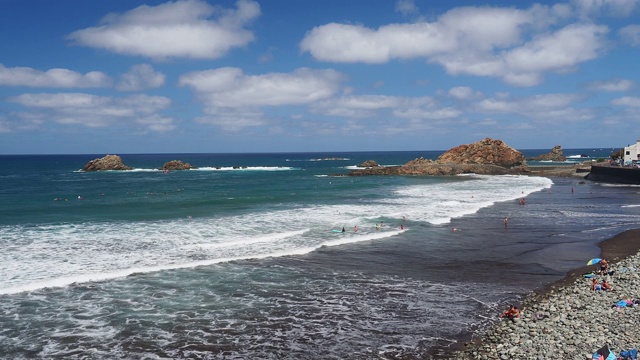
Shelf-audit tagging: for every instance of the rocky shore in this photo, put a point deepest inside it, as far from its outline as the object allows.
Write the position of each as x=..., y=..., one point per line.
x=567, y=320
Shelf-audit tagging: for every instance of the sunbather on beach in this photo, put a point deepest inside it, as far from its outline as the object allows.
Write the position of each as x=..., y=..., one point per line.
x=606, y=286
x=604, y=267
x=511, y=313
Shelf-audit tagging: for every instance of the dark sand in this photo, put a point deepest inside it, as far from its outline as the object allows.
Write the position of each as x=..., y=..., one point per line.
x=613, y=250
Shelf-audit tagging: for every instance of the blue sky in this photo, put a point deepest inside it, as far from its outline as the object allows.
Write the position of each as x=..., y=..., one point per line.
x=128, y=76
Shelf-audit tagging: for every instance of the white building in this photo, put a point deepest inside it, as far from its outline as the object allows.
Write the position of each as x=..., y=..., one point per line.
x=632, y=153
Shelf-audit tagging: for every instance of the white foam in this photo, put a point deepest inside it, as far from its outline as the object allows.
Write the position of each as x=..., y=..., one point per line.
x=35, y=257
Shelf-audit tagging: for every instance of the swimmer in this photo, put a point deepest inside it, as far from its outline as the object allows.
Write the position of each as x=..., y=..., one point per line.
x=401, y=227
x=506, y=221
x=355, y=228
x=454, y=229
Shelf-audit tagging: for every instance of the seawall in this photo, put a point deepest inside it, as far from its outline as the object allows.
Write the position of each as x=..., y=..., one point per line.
x=614, y=174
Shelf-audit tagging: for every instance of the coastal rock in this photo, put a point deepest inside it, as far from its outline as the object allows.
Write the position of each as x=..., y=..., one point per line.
x=554, y=155
x=486, y=157
x=176, y=165
x=108, y=162
x=487, y=152
x=369, y=164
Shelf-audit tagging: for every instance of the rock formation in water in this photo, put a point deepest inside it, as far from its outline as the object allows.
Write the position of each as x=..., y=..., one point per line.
x=176, y=165
x=368, y=164
x=488, y=156
x=108, y=162
x=554, y=155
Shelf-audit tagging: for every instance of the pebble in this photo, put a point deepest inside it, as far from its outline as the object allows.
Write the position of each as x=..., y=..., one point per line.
x=568, y=323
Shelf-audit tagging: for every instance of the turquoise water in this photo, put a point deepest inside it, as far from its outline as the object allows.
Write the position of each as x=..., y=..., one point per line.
x=224, y=262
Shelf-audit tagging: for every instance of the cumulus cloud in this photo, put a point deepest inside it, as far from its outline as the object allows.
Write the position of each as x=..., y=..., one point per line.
x=140, y=77
x=230, y=87
x=174, y=29
x=559, y=51
x=515, y=45
x=53, y=78
x=232, y=99
x=630, y=34
x=612, y=85
x=96, y=111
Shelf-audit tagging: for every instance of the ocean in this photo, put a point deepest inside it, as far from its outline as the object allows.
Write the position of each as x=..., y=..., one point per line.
x=244, y=257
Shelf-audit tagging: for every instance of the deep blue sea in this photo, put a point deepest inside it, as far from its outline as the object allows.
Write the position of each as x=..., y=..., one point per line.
x=243, y=258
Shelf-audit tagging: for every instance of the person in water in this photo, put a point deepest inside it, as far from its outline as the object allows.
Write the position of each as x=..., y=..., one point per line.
x=343, y=230
x=506, y=221
x=355, y=228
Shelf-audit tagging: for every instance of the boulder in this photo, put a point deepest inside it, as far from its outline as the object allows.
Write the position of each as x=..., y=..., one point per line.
x=554, y=155
x=369, y=164
x=108, y=162
x=176, y=165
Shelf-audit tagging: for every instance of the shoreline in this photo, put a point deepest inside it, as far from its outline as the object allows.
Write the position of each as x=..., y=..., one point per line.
x=621, y=249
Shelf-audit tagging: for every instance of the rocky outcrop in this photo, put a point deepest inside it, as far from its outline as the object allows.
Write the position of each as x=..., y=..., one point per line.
x=487, y=152
x=554, y=155
x=176, y=165
x=486, y=157
x=108, y=162
x=369, y=164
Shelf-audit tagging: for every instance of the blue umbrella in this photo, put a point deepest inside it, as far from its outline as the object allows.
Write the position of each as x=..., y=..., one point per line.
x=593, y=261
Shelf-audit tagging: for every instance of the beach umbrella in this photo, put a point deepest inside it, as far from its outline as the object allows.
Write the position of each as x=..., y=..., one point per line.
x=593, y=261
x=604, y=354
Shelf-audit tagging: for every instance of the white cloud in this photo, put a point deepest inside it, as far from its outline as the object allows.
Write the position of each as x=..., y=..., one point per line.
x=508, y=43
x=463, y=93
x=406, y=7
x=230, y=87
x=631, y=101
x=174, y=29
x=558, y=51
x=356, y=106
x=95, y=111
x=377, y=106
x=630, y=34
x=589, y=8
x=53, y=78
x=233, y=119
x=612, y=85
x=478, y=27
x=157, y=123
x=540, y=108
x=140, y=77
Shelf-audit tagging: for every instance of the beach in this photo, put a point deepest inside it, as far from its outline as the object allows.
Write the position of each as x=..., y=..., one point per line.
x=239, y=258
x=567, y=319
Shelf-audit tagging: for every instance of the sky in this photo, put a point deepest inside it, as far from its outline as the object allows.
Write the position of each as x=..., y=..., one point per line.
x=252, y=76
